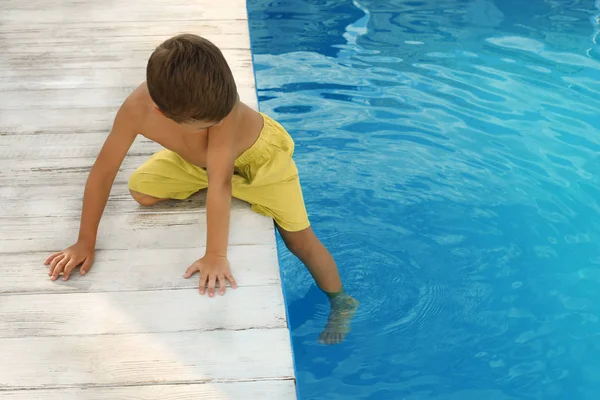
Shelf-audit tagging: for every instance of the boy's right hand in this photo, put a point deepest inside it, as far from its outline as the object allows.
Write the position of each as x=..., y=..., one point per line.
x=64, y=261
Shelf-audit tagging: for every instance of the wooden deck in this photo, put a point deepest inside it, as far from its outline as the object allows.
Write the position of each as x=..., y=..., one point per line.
x=133, y=327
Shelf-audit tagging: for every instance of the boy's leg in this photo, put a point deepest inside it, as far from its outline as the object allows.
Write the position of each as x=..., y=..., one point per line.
x=283, y=201
x=308, y=248
x=164, y=176
x=144, y=199
x=272, y=186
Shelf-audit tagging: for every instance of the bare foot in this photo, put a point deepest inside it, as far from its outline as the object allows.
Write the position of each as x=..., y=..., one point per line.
x=343, y=309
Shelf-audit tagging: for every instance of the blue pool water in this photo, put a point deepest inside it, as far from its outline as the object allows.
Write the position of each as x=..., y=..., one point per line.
x=449, y=153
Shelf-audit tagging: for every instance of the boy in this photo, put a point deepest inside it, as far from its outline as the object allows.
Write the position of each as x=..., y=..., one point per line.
x=189, y=104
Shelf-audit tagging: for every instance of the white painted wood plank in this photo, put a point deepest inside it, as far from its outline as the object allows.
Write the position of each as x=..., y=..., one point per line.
x=65, y=145
x=236, y=58
x=181, y=357
x=60, y=201
x=62, y=120
x=20, y=79
x=91, y=7
x=264, y=390
x=136, y=269
x=226, y=35
x=16, y=12
x=59, y=171
x=221, y=31
x=72, y=314
x=63, y=171
x=81, y=97
x=132, y=231
x=116, y=45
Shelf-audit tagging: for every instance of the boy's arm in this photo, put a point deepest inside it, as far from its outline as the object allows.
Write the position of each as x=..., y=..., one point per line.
x=104, y=171
x=219, y=167
x=97, y=189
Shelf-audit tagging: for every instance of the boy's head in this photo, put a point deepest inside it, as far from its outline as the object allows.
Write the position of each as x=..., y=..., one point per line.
x=190, y=81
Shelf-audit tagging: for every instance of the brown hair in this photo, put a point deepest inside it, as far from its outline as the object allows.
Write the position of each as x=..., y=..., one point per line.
x=189, y=79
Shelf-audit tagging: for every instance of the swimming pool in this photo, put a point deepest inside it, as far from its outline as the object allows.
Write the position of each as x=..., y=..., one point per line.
x=448, y=151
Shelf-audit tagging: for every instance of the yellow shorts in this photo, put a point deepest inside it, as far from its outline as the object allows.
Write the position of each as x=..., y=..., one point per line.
x=265, y=176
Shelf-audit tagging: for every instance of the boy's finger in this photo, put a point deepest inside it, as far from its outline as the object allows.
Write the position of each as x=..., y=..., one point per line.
x=190, y=271
x=85, y=267
x=222, y=284
x=211, y=286
x=59, y=268
x=55, y=261
x=52, y=257
x=54, y=264
x=202, y=284
x=68, y=268
x=231, y=280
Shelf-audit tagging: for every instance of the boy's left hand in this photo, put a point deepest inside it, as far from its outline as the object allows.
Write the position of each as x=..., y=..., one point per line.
x=212, y=269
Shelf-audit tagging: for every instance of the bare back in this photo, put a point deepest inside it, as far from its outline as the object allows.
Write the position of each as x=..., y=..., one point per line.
x=243, y=123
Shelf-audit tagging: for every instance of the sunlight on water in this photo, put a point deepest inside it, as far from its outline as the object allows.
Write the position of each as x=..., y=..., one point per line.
x=448, y=151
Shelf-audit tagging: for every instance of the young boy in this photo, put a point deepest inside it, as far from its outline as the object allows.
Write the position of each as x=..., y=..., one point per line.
x=189, y=104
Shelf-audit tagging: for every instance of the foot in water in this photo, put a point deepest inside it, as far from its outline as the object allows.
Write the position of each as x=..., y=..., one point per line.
x=343, y=308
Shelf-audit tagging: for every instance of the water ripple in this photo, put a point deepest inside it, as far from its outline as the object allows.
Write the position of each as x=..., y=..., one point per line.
x=449, y=156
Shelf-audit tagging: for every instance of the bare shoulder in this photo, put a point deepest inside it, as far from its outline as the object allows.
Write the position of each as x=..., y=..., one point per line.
x=134, y=109
x=128, y=122
x=239, y=130
x=248, y=124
